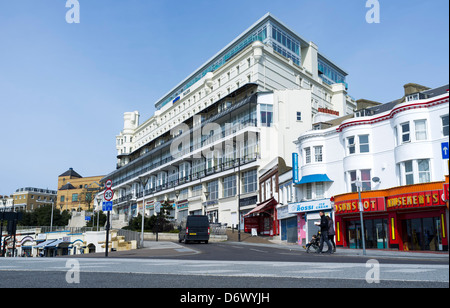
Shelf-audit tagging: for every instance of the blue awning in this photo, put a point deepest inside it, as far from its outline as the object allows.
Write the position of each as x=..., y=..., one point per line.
x=313, y=178
x=54, y=244
x=43, y=244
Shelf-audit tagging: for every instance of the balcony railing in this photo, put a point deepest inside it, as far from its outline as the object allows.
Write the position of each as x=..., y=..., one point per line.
x=193, y=176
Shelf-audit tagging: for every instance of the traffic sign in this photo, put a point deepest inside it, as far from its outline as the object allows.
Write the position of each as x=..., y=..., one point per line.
x=107, y=206
x=108, y=183
x=109, y=194
x=445, y=149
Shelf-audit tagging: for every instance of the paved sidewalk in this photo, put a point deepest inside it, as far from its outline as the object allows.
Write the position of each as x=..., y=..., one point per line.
x=375, y=253
x=151, y=249
x=246, y=238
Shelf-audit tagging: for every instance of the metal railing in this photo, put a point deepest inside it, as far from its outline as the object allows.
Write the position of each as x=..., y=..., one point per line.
x=130, y=236
x=192, y=177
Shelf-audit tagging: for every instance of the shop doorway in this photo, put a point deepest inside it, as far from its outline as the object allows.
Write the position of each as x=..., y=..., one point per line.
x=291, y=230
x=422, y=234
x=375, y=234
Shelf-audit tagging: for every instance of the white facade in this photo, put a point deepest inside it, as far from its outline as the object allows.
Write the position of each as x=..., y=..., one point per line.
x=397, y=147
x=262, y=90
x=8, y=204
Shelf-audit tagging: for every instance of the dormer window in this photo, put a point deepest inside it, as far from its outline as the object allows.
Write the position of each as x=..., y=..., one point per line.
x=412, y=97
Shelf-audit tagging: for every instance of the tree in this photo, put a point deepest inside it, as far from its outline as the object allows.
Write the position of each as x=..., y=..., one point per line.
x=93, y=221
x=42, y=217
x=87, y=195
x=160, y=222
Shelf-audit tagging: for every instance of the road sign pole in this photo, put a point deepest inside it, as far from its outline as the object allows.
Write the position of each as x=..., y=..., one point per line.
x=108, y=195
x=107, y=234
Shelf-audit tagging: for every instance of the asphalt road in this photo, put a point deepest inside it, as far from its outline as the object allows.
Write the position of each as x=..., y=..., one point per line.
x=233, y=251
x=226, y=265
x=56, y=279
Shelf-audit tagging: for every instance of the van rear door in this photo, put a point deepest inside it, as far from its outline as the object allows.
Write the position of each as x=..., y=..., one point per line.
x=197, y=228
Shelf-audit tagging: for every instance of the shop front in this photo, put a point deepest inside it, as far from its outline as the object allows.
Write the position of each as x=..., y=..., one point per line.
x=263, y=218
x=307, y=215
x=406, y=218
x=418, y=220
x=288, y=224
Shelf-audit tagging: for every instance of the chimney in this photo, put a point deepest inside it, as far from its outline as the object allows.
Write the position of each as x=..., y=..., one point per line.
x=365, y=103
x=411, y=88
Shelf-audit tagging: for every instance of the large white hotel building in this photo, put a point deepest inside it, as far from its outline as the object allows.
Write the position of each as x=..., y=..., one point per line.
x=212, y=135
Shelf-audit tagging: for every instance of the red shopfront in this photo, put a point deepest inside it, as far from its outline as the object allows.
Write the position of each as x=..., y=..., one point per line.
x=410, y=217
x=263, y=218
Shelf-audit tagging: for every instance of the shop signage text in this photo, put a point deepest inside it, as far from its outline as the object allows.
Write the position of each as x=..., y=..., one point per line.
x=446, y=191
x=182, y=205
x=248, y=201
x=351, y=206
x=418, y=199
x=310, y=206
x=295, y=175
x=329, y=111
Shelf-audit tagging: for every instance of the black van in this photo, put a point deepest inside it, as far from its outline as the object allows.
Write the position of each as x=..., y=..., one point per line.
x=194, y=228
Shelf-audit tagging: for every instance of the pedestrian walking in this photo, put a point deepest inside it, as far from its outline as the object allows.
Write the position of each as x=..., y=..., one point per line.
x=324, y=233
x=331, y=232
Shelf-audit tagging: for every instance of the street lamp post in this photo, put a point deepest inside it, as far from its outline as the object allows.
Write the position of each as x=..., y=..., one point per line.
x=51, y=218
x=99, y=200
x=177, y=194
x=14, y=230
x=206, y=193
x=1, y=225
x=239, y=189
x=143, y=181
x=358, y=184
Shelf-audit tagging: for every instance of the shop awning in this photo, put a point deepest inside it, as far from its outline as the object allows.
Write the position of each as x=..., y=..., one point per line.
x=313, y=178
x=264, y=206
x=54, y=244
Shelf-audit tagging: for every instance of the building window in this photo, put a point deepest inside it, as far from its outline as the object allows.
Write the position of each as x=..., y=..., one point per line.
x=415, y=171
x=396, y=135
x=360, y=142
x=74, y=197
x=409, y=173
x=307, y=155
x=184, y=170
x=308, y=191
x=62, y=199
x=314, y=191
x=445, y=125
x=229, y=186
x=197, y=190
x=319, y=190
x=266, y=115
x=421, y=129
x=318, y=154
x=363, y=144
x=351, y=145
x=424, y=170
x=366, y=180
x=250, y=181
x=213, y=189
x=405, y=132
x=360, y=175
x=268, y=190
x=299, y=116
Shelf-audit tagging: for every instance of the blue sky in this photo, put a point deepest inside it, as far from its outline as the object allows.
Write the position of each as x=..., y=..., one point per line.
x=64, y=87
